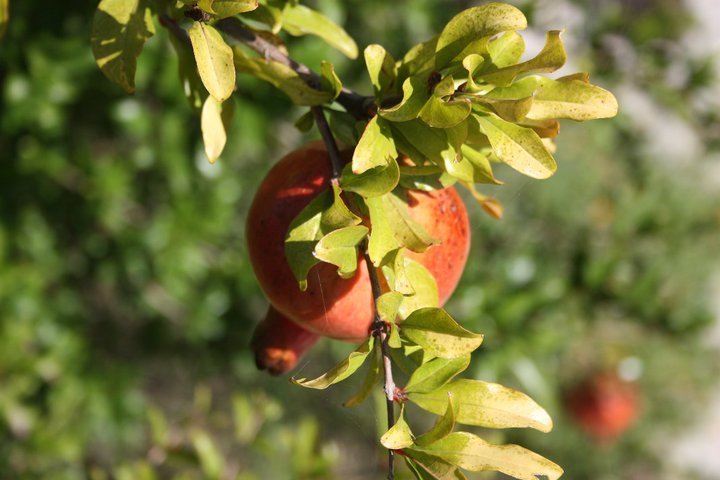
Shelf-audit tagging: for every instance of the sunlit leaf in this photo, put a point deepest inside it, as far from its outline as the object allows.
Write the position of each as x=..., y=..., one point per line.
x=339, y=247
x=550, y=58
x=381, y=68
x=423, y=285
x=120, y=29
x=329, y=81
x=300, y=20
x=415, y=96
x=419, y=59
x=4, y=16
x=431, y=467
x=506, y=50
x=382, y=239
x=214, y=60
x=376, y=147
x=436, y=373
x=475, y=24
x=388, y=305
x=470, y=452
x=519, y=147
x=439, y=334
x=215, y=121
x=342, y=370
x=407, y=231
x=512, y=110
x=443, y=426
x=482, y=169
x=486, y=405
x=440, y=113
x=230, y=8
x=399, y=435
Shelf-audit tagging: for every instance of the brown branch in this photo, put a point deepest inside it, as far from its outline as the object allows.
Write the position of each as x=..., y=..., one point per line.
x=330, y=143
x=379, y=330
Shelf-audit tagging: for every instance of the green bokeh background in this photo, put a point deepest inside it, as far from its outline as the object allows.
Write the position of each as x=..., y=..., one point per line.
x=127, y=300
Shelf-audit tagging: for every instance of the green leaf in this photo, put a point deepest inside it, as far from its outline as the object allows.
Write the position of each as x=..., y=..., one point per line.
x=382, y=239
x=429, y=143
x=430, y=467
x=325, y=213
x=399, y=435
x=300, y=20
x=486, y=405
x=190, y=81
x=214, y=60
x=419, y=59
x=550, y=58
x=305, y=122
x=437, y=332
x=426, y=178
x=342, y=370
x=519, y=147
x=4, y=16
x=439, y=113
x=339, y=247
x=230, y=8
x=215, y=121
x=475, y=24
x=381, y=68
x=120, y=29
x=415, y=96
x=394, y=340
x=373, y=182
x=329, y=80
x=436, y=373
x=343, y=126
x=266, y=15
x=407, y=231
x=506, y=50
x=388, y=305
x=423, y=285
x=514, y=110
x=482, y=170
x=443, y=426
x=211, y=459
x=371, y=377
x=376, y=147
x=470, y=452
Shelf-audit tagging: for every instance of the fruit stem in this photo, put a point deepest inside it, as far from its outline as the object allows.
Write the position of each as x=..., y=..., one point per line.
x=330, y=143
x=380, y=331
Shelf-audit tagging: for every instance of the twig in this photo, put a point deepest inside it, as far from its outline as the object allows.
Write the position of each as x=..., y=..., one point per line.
x=330, y=143
x=379, y=330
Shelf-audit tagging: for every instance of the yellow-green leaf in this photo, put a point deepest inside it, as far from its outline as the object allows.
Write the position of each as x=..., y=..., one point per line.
x=368, y=384
x=519, y=147
x=415, y=96
x=215, y=121
x=475, y=24
x=486, y=404
x=373, y=182
x=381, y=68
x=119, y=31
x=301, y=20
x=382, y=239
x=423, y=285
x=399, y=435
x=339, y=247
x=190, y=81
x=440, y=335
x=507, y=49
x=4, y=16
x=230, y=8
x=470, y=452
x=437, y=372
x=342, y=370
x=214, y=60
x=376, y=147
x=443, y=426
x=407, y=231
x=388, y=305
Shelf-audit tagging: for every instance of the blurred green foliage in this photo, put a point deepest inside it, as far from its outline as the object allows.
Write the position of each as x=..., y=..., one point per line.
x=127, y=300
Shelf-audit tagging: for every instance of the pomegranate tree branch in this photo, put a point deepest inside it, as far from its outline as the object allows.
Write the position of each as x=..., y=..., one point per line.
x=357, y=105
x=330, y=143
x=380, y=331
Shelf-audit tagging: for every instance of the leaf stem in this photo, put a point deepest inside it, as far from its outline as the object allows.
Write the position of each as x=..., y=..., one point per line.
x=330, y=143
x=379, y=330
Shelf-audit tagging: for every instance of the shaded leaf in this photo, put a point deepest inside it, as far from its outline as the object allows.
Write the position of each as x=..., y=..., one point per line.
x=305, y=122
x=439, y=334
x=329, y=80
x=443, y=426
x=519, y=147
x=394, y=267
x=190, y=81
x=486, y=404
x=470, y=452
x=482, y=170
x=407, y=231
x=426, y=178
x=373, y=182
x=399, y=435
x=419, y=59
x=214, y=60
x=431, y=467
x=4, y=16
x=376, y=147
x=475, y=24
x=215, y=121
x=120, y=29
x=339, y=247
x=300, y=20
x=342, y=370
x=371, y=377
x=436, y=373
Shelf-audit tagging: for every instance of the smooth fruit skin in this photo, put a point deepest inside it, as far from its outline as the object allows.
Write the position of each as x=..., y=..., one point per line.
x=278, y=343
x=331, y=306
